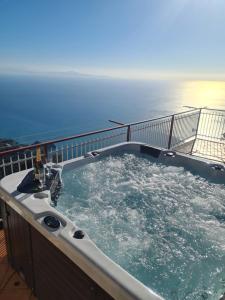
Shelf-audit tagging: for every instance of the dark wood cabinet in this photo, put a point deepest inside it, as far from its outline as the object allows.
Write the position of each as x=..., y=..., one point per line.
x=18, y=244
x=56, y=276
x=46, y=269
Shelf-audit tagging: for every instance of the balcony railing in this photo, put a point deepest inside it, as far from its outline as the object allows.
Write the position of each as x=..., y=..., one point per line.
x=198, y=132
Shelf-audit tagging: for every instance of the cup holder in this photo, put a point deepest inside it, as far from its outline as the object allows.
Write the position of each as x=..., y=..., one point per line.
x=78, y=234
x=41, y=195
x=51, y=222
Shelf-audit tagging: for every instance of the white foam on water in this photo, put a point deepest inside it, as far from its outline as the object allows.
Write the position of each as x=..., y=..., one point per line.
x=161, y=223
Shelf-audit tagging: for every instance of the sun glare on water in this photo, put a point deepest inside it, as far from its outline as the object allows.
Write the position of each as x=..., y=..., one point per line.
x=204, y=93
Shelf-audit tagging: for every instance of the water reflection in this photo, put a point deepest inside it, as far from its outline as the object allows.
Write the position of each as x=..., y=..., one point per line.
x=77, y=105
x=203, y=93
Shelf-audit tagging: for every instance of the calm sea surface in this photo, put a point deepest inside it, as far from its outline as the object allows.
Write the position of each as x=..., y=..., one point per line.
x=36, y=108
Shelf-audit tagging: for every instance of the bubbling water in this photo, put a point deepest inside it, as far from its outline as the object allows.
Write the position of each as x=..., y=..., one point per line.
x=162, y=224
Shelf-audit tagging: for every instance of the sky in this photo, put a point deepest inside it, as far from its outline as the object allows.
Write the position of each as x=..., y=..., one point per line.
x=119, y=38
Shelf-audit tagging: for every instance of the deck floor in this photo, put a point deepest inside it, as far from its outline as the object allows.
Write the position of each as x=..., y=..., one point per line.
x=184, y=148
x=204, y=148
x=12, y=286
x=210, y=149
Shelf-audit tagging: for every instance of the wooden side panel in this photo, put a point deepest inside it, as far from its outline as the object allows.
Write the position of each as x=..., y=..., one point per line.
x=20, y=245
x=6, y=230
x=57, y=277
x=45, y=268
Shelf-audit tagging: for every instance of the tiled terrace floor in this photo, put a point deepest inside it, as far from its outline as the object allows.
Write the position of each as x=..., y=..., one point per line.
x=204, y=148
x=12, y=287
x=210, y=149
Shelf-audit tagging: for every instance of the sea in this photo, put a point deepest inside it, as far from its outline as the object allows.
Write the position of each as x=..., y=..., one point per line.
x=41, y=107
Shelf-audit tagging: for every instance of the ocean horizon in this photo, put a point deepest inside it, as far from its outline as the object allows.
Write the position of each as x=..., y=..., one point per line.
x=37, y=108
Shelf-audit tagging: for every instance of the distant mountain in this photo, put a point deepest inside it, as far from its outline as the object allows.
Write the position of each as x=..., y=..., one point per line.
x=69, y=73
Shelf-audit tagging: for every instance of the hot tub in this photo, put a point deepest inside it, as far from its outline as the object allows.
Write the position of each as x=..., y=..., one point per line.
x=137, y=220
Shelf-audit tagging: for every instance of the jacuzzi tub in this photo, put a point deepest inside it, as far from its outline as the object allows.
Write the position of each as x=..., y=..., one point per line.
x=81, y=250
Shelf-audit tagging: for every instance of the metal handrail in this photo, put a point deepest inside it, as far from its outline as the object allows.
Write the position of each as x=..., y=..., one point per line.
x=10, y=151
x=128, y=125
x=184, y=132
x=214, y=109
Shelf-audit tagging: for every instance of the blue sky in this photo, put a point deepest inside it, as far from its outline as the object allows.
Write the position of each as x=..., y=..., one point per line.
x=124, y=38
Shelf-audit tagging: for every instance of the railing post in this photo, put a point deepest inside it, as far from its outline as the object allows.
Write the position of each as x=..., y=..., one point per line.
x=171, y=132
x=128, y=133
x=196, y=135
